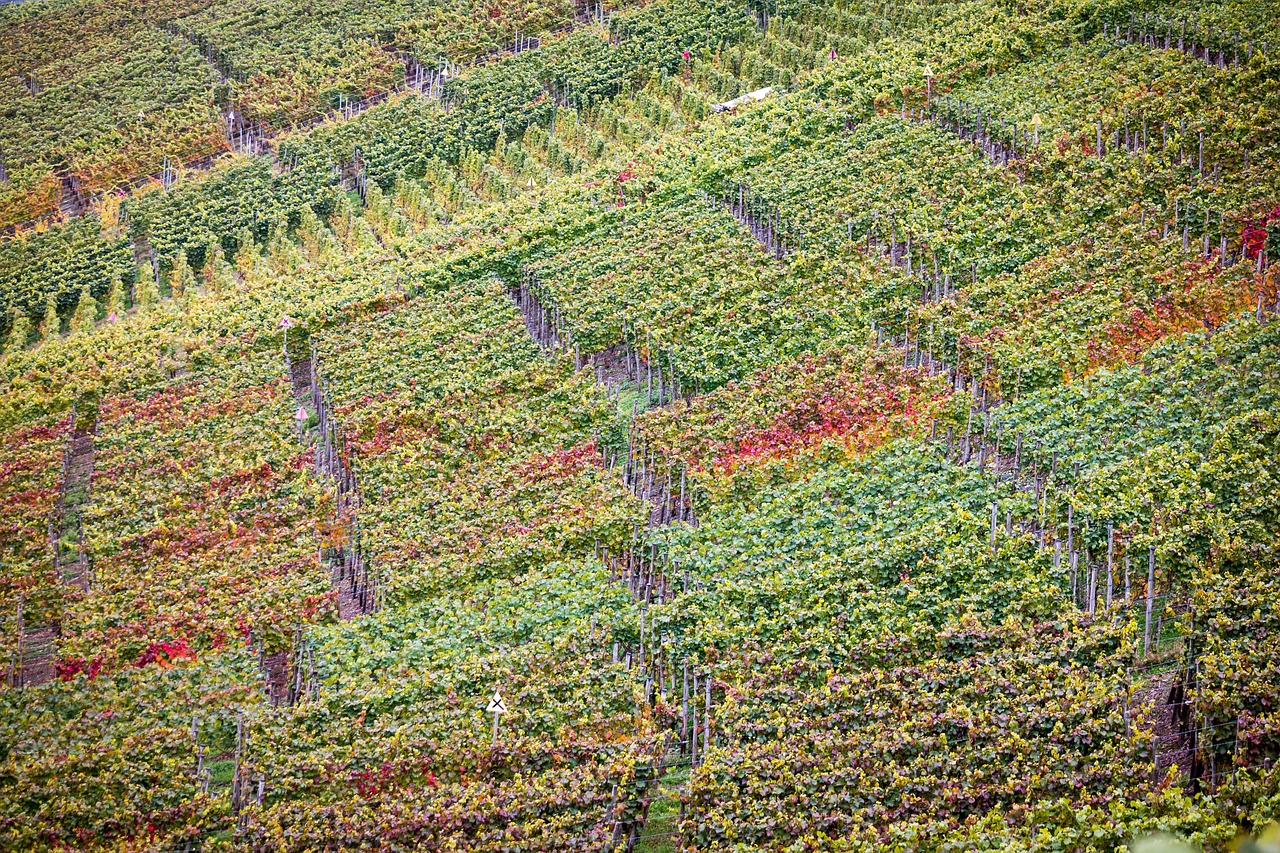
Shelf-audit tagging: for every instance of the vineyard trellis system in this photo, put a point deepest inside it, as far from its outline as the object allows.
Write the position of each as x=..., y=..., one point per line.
x=986, y=449
x=350, y=573
x=352, y=174
x=291, y=676
x=645, y=570
x=255, y=136
x=34, y=661
x=1007, y=145
x=763, y=221
x=1095, y=582
x=967, y=122
x=981, y=445
x=77, y=480
x=1210, y=228
x=1102, y=581
x=658, y=386
x=347, y=559
x=1107, y=568
x=71, y=199
x=1228, y=49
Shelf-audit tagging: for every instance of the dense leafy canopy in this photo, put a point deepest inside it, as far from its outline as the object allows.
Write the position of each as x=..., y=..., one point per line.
x=978, y=527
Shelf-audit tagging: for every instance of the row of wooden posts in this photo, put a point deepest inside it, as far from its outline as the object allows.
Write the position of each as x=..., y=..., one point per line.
x=654, y=374
x=661, y=385
x=77, y=473
x=1183, y=744
x=664, y=485
x=986, y=450
x=1086, y=587
x=903, y=250
x=1155, y=31
x=297, y=668
x=763, y=220
x=32, y=661
x=1007, y=463
x=290, y=675
x=545, y=326
x=906, y=251
x=353, y=175
x=1006, y=144
x=548, y=327
x=214, y=56
x=969, y=122
x=644, y=569
x=348, y=564
x=980, y=449
x=648, y=574
x=684, y=746
x=302, y=684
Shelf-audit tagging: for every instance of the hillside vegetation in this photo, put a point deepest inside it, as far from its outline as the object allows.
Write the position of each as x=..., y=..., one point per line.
x=540, y=455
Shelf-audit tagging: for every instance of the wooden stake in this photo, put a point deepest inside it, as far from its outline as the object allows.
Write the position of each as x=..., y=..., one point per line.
x=1151, y=582
x=1128, y=598
x=1111, y=541
x=684, y=706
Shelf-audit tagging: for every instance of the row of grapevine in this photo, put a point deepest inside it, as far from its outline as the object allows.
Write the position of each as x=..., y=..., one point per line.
x=395, y=438
x=976, y=571
x=1230, y=48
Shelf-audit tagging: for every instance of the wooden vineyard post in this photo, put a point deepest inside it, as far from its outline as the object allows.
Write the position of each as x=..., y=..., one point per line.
x=693, y=725
x=1017, y=453
x=706, y=719
x=995, y=470
x=1128, y=683
x=658, y=369
x=1111, y=541
x=236, y=782
x=1091, y=583
x=684, y=706
x=968, y=439
x=1071, y=554
x=648, y=365
x=1128, y=590
x=1151, y=580
x=18, y=655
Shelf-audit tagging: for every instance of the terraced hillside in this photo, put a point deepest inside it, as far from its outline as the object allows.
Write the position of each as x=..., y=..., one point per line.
x=658, y=426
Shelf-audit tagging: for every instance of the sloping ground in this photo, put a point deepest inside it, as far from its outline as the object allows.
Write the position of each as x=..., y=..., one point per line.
x=844, y=472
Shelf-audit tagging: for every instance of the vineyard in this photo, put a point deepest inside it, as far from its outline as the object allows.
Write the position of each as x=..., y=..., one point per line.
x=824, y=425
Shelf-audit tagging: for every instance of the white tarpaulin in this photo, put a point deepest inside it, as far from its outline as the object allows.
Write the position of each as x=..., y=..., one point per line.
x=757, y=95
